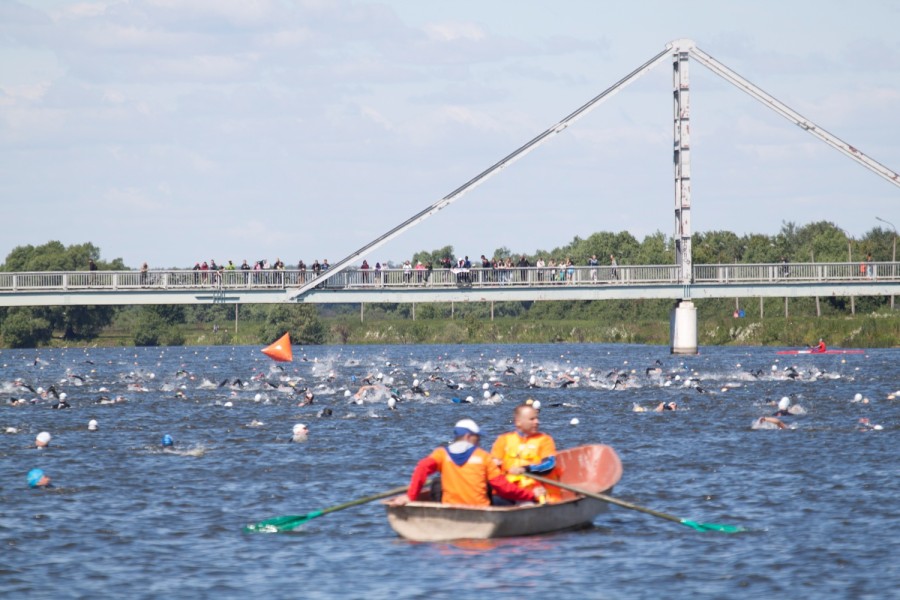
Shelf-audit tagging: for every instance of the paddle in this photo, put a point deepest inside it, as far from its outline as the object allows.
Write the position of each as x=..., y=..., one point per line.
x=289, y=522
x=649, y=511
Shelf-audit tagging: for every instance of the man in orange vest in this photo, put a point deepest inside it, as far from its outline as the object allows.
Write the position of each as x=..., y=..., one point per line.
x=466, y=470
x=526, y=450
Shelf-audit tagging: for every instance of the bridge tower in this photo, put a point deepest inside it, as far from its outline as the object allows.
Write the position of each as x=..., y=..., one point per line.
x=683, y=319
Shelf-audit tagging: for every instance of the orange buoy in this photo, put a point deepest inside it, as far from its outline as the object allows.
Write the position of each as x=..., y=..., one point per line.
x=280, y=350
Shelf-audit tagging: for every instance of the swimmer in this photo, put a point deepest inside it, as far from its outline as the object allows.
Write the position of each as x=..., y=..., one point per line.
x=766, y=422
x=167, y=441
x=37, y=478
x=783, y=405
x=92, y=425
x=42, y=440
x=308, y=398
x=300, y=433
x=663, y=406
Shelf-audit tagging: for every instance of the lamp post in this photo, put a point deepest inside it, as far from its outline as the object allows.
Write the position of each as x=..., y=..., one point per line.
x=893, y=252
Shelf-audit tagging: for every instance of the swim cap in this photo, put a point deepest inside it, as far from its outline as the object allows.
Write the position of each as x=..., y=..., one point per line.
x=415, y=382
x=167, y=440
x=466, y=426
x=346, y=393
x=34, y=477
x=484, y=386
x=299, y=428
x=784, y=403
x=92, y=425
x=42, y=439
x=536, y=405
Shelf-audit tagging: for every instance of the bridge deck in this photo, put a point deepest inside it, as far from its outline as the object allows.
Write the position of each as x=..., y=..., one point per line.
x=447, y=285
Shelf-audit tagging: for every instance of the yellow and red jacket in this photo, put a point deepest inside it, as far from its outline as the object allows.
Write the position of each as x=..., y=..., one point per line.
x=536, y=453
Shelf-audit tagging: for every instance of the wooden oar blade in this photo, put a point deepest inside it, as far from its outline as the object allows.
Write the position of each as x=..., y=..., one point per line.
x=281, y=524
x=713, y=527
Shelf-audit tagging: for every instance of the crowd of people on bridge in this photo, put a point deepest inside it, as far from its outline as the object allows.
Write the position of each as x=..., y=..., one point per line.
x=502, y=270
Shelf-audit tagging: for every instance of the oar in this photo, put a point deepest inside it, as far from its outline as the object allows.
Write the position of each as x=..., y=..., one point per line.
x=643, y=509
x=289, y=522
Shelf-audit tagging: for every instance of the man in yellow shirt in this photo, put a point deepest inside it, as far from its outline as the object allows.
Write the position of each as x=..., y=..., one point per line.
x=527, y=450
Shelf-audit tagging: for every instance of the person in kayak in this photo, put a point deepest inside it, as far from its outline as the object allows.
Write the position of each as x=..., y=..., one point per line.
x=820, y=347
x=526, y=450
x=466, y=470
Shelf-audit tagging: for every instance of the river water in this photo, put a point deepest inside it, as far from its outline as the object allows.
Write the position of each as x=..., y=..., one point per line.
x=128, y=518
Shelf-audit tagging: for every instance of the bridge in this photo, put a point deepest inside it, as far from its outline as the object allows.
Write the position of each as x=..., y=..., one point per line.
x=682, y=281
x=356, y=286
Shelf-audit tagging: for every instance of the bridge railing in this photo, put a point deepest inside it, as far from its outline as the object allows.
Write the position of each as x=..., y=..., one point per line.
x=477, y=277
x=795, y=272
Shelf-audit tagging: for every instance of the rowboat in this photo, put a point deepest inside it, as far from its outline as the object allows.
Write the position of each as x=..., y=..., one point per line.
x=821, y=352
x=594, y=468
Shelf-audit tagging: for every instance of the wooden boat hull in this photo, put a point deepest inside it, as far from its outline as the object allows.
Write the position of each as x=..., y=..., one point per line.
x=595, y=468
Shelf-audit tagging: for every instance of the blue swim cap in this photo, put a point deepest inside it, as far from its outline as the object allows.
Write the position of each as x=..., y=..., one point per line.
x=167, y=440
x=455, y=400
x=34, y=477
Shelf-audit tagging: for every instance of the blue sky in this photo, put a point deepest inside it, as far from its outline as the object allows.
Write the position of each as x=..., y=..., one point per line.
x=174, y=131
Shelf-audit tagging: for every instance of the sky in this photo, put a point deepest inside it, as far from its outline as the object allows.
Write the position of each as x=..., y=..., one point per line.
x=172, y=132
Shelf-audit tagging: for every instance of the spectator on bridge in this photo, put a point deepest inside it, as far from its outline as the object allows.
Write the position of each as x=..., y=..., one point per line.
x=539, y=265
x=245, y=267
x=301, y=267
x=316, y=268
x=593, y=263
x=785, y=269
x=869, y=270
x=325, y=265
x=144, y=270
x=407, y=272
x=378, y=273
x=365, y=271
x=420, y=268
x=614, y=271
x=523, y=268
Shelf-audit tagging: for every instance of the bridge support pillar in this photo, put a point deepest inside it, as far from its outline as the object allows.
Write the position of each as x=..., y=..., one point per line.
x=683, y=328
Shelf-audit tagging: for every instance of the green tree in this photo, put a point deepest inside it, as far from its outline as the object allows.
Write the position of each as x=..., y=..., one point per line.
x=21, y=329
x=75, y=322
x=300, y=320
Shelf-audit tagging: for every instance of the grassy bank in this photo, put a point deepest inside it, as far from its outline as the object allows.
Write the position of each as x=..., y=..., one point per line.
x=877, y=330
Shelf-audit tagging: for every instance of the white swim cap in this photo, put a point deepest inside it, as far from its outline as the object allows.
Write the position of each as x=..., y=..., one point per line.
x=487, y=394
x=42, y=439
x=392, y=402
x=536, y=405
x=532, y=379
x=857, y=397
x=300, y=428
x=470, y=399
x=415, y=382
x=484, y=386
x=466, y=426
x=92, y=425
x=574, y=421
x=784, y=403
x=346, y=393
x=63, y=396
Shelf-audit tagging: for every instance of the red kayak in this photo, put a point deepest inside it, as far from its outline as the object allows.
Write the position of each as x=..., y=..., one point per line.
x=821, y=352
